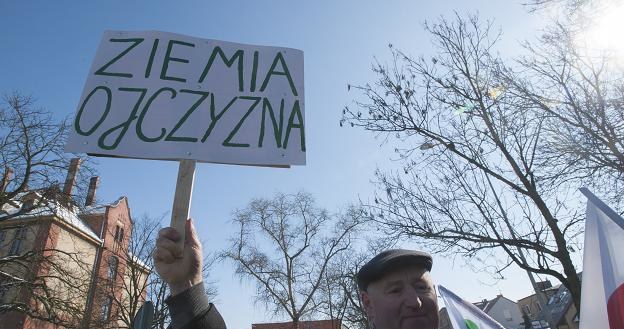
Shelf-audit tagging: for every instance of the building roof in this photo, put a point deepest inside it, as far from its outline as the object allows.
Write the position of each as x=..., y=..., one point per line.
x=98, y=209
x=548, y=291
x=138, y=261
x=68, y=214
x=486, y=305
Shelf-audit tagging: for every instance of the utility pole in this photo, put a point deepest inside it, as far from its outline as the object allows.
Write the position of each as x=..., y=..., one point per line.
x=539, y=293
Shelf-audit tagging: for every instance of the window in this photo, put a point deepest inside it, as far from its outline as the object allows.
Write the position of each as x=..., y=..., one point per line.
x=538, y=306
x=507, y=314
x=119, y=233
x=3, y=291
x=16, y=244
x=113, y=264
x=551, y=300
x=2, y=237
x=4, y=286
x=106, y=308
x=526, y=309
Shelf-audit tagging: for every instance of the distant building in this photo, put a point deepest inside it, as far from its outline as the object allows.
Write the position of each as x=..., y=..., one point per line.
x=89, y=242
x=560, y=305
x=531, y=306
x=562, y=309
x=316, y=324
x=501, y=309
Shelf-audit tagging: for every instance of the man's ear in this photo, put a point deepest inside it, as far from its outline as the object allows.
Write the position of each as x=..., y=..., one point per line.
x=366, y=302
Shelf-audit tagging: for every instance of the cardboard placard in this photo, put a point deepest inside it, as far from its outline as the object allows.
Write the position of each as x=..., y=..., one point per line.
x=159, y=95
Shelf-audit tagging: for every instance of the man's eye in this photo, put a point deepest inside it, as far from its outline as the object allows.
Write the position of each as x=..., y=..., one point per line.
x=394, y=291
x=423, y=287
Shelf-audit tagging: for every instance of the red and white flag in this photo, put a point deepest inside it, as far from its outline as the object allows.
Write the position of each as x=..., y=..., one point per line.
x=602, y=290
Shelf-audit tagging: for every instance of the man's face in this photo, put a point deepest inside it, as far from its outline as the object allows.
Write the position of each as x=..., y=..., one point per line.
x=403, y=299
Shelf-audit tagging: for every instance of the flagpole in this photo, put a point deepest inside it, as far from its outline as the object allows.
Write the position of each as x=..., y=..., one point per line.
x=602, y=206
x=540, y=294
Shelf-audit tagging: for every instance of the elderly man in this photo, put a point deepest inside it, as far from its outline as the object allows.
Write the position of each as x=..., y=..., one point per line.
x=397, y=290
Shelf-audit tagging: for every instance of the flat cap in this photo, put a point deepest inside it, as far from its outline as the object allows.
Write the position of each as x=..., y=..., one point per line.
x=389, y=260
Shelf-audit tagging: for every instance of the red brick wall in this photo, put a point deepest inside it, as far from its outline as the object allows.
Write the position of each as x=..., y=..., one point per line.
x=46, y=238
x=114, y=245
x=95, y=222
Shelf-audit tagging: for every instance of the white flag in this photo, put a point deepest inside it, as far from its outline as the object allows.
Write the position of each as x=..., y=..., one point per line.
x=602, y=291
x=464, y=315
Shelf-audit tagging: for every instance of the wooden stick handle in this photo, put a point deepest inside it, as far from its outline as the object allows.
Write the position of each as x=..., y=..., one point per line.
x=182, y=199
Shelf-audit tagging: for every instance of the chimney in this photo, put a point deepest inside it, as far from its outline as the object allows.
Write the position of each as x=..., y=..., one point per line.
x=8, y=174
x=70, y=180
x=93, y=184
x=543, y=285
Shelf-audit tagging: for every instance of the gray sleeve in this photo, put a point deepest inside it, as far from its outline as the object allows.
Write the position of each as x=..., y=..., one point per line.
x=191, y=309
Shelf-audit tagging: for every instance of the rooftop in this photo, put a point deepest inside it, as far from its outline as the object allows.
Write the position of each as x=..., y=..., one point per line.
x=69, y=214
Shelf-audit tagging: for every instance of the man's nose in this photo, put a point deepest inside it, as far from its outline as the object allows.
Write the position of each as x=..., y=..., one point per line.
x=412, y=299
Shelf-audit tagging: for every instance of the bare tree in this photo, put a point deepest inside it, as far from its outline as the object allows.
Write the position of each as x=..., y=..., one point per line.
x=339, y=295
x=571, y=6
x=580, y=98
x=470, y=181
x=580, y=91
x=32, y=154
x=285, y=245
x=135, y=266
x=33, y=164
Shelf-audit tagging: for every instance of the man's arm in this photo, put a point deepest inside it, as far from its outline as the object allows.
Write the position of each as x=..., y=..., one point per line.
x=191, y=309
x=181, y=269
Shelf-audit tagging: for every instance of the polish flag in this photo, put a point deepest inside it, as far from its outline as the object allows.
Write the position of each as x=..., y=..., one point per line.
x=602, y=290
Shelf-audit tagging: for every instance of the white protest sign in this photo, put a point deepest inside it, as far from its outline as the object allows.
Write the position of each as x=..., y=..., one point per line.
x=158, y=95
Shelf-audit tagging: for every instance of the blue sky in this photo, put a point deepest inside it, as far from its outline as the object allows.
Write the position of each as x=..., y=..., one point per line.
x=47, y=48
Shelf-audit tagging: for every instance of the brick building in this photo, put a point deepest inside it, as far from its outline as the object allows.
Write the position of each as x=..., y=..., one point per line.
x=531, y=306
x=75, y=260
x=560, y=307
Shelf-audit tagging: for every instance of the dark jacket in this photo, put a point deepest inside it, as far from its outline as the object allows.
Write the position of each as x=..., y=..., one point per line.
x=191, y=310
